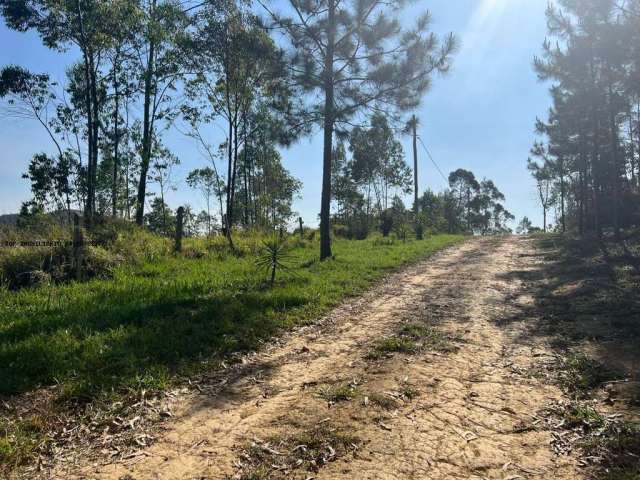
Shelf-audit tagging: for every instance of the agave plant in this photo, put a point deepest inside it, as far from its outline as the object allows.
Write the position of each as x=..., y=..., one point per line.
x=273, y=256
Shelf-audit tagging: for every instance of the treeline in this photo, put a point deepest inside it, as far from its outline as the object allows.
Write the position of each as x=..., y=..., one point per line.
x=146, y=67
x=370, y=177
x=587, y=163
x=265, y=78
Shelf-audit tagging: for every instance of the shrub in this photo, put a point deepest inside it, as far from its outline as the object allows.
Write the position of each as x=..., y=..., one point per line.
x=273, y=256
x=386, y=222
x=341, y=231
x=359, y=227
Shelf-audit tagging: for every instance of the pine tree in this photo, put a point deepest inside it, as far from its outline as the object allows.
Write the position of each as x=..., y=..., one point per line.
x=355, y=55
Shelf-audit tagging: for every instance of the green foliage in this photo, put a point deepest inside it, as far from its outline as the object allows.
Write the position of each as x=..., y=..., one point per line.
x=386, y=346
x=166, y=313
x=386, y=222
x=274, y=256
x=160, y=219
x=340, y=393
x=588, y=146
x=583, y=373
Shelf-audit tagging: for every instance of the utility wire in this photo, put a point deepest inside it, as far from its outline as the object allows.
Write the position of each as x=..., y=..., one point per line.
x=446, y=181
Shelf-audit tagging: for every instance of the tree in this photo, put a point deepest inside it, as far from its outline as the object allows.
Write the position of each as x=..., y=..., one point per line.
x=378, y=161
x=207, y=181
x=543, y=179
x=524, y=226
x=464, y=185
x=61, y=24
x=52, y=181
x=29, y=95
x=160, y=218
x=240, y=76
x=159, y=46
x=354, y=55
x=162, y=173
x=588, y=153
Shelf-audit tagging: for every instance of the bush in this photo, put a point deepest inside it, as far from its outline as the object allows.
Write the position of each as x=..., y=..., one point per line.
x=98, y=263
x=22, y=267
x=341, y=231
x=25, y=267
x=386, y=223
x=136, y=245
x=359, y=228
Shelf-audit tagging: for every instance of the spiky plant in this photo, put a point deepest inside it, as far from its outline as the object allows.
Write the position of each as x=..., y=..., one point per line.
x=273, y=256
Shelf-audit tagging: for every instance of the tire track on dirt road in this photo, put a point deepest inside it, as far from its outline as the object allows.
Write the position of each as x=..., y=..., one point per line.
x=468, y=418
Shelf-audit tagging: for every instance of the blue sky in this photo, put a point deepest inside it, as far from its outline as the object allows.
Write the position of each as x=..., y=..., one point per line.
x=480, y=116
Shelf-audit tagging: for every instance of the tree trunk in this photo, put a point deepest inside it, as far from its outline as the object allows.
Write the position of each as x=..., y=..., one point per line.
x=88, y=213
x=616, y=167
x=116, y=144
x=246, y=179
x=415, y=165
x=562, y=195
x=325, y=207
x=147, y=133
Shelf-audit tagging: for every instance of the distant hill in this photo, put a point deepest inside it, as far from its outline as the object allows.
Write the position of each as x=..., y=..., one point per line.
x=60, y=216
x=9, y=219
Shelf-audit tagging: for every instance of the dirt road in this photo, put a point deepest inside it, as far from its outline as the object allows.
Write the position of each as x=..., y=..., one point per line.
x=454, y=397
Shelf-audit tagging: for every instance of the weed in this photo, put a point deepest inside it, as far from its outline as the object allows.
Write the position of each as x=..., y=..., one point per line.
x=341, y=393
x=617, y=444
x=409, y=392
x=383, y=401
x=580, y=415
x=383, y=348
x=274, y=256
x=307, y=450
x=582, y=373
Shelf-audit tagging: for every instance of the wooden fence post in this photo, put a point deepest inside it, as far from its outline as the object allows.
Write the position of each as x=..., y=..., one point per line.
x=179, y=226
x=301, y=231
x=78, y=242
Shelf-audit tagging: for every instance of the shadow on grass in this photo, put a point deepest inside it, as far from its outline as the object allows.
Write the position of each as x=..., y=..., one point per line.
x=171, y=316
x=102, y=344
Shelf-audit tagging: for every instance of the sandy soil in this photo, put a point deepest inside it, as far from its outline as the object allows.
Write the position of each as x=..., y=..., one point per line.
x=472, y=417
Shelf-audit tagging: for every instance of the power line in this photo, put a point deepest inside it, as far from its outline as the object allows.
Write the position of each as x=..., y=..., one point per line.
x=446, y=181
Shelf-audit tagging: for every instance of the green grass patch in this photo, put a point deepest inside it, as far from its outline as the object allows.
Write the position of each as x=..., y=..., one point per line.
x=387, y=346
x=428, y=337
x=19, y=440
x=582, y=415
x=168, y=315
x=340, y=393
x=582, y=373
x=409, y=392
x=410, y=339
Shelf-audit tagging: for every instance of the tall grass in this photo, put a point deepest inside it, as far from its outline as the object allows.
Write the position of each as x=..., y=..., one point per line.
x=165, y=314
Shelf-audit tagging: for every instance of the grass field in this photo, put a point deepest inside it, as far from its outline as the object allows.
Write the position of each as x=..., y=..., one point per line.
x=174, y=314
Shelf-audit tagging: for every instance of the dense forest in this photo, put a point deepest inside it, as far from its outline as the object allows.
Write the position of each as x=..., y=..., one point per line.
x=586, y=164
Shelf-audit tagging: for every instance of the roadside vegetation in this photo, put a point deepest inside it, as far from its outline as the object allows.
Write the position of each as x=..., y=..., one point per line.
x=587, y=306
x=156, y=318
